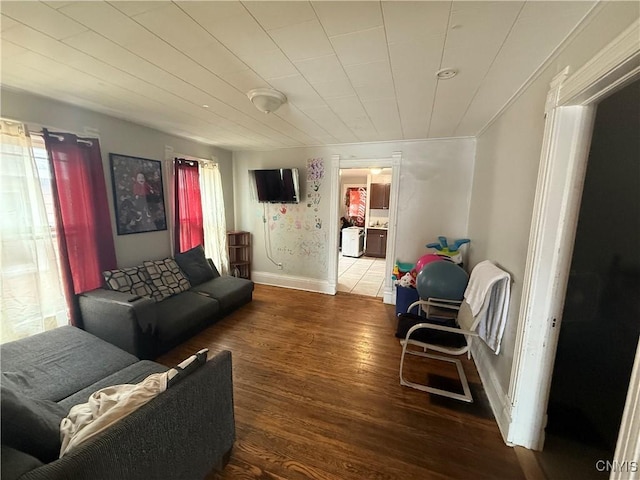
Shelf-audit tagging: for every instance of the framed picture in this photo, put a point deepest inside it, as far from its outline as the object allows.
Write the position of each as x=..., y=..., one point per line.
x=137, y=194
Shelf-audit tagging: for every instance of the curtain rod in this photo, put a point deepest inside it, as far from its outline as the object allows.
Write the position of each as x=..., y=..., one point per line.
x=199, y=161
x=60, y=136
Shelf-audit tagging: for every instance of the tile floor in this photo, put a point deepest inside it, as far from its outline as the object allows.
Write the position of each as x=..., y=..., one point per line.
x=363, y=275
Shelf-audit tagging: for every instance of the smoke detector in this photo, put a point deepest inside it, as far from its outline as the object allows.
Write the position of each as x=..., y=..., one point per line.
x=446, y=73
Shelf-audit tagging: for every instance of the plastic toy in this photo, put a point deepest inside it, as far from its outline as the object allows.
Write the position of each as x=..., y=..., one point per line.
x=453, y=251
x=443, y=245
x=400, y=269
x=407, y=280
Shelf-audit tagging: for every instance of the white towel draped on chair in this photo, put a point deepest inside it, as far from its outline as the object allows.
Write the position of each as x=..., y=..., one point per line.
x=488, y=294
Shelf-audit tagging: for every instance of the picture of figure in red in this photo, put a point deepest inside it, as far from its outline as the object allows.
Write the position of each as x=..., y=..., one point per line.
x=141, y=189
x=138, y=194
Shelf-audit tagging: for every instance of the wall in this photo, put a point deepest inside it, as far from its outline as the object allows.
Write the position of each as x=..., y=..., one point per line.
x=435, y=186
x=119, y=136
x=505, y=175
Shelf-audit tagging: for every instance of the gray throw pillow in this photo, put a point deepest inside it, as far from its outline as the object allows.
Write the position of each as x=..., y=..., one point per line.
x=29, y=424
x=195, y=266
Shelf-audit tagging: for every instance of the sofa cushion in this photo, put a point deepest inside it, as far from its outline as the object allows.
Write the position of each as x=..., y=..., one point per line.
x=132, y=374
x=15, y=463
x=133, y=280
x=195, y=266
x=40, y=365
x=184, y=313
x=230, y=291
x=30, y=425
x=166, y=277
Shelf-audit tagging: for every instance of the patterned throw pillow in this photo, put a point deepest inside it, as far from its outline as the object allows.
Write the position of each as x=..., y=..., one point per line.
x=166, y=277
x=129, y=280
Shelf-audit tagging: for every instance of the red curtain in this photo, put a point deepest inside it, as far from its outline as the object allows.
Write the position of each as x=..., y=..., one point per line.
x=84, y=223
x=189, y=225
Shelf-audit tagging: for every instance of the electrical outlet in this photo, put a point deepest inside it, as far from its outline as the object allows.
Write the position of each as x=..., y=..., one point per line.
x=279, y=266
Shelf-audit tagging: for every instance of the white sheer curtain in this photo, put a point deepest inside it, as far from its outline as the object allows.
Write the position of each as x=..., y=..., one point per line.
x=31, y=295
x=215, y=225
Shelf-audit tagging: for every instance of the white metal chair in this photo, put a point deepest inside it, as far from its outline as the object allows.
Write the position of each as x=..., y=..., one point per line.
x=441, y=342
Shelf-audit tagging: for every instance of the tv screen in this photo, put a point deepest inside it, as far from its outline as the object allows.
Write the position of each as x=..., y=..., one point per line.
x=277, y=185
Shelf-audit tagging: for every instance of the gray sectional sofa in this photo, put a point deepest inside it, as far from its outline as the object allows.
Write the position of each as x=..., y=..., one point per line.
x=149, y=309
x=183, y=433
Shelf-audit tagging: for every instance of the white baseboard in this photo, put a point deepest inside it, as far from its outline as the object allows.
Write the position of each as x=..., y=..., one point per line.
x=498, y=398
x=389, y=296
x=296, y=283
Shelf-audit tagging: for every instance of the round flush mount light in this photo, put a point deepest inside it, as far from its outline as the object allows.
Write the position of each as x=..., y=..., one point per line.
x=446, y=73
x=266, y=100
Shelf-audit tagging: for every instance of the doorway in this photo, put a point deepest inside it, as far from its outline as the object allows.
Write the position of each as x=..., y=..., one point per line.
x=391, y=167
x=364, y=221
x=570, y=113
x=601, y=316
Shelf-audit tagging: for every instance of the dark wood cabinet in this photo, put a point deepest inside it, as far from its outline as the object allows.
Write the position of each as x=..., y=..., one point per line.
x=380, y=193
x=376, y=243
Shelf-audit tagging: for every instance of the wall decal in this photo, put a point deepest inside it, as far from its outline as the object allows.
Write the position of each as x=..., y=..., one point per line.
x=297, y=236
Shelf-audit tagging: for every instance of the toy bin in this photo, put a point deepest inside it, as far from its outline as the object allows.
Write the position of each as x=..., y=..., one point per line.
x=405, y=296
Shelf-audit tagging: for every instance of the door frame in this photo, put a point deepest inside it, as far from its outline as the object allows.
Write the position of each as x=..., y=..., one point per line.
x=570, y=112
x=337, y=164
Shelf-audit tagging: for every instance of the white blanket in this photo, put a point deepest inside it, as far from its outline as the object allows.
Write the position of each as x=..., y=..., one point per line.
x=488, y=294
x=105, y=407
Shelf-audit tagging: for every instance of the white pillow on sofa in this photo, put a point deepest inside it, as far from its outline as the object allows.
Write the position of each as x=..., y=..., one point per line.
x=110, y=404
x=105, y=407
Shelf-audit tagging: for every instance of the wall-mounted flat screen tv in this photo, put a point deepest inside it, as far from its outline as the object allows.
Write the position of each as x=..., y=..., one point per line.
x=277, y=185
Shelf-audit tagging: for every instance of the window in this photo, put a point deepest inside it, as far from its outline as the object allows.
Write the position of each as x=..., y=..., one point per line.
x=200, y=215
x=31, y=286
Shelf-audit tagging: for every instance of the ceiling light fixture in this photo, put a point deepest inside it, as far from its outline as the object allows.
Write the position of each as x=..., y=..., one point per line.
x=376, y=171
x=266, y=100
x=446, y=73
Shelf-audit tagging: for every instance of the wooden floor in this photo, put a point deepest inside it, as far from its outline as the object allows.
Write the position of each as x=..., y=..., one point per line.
x=317, y=396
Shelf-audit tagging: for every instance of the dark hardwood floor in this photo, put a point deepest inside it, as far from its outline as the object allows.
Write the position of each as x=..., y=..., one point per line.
x=317, y=396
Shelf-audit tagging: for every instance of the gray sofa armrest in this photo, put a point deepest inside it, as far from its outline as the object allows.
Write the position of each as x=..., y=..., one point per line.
x=122, y=319
x=182, y=434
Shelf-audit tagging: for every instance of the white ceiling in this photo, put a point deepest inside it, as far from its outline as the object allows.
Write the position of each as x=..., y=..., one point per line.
x=352, y=71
